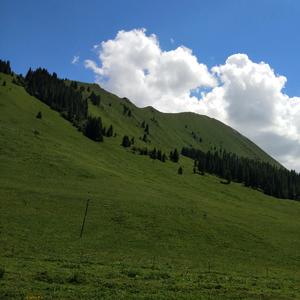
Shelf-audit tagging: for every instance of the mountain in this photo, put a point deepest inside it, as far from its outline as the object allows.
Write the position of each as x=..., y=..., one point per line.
x=149, y=232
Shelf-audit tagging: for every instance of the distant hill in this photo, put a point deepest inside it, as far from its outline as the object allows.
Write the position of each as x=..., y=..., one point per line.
x=169, y=130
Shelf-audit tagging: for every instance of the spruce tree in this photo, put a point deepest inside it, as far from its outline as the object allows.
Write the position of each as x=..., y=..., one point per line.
x=174, y=156
x=159, y=155
x=126, y=142
x=147, y=129
x=110, y=131
x=95, y=99
x=153, y=154
x=93, y=129
x=180, y=171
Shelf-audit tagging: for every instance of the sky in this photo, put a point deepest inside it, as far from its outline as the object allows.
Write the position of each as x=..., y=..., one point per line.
x=236, y=61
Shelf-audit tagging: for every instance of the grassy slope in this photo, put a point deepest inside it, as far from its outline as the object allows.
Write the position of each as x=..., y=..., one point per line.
x=170, y=130
x=150, y=233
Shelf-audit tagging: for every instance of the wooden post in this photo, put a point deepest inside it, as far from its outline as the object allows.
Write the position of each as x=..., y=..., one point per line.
x=83, y=222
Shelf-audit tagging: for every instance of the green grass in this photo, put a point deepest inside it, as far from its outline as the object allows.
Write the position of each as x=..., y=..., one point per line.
x=150, y=233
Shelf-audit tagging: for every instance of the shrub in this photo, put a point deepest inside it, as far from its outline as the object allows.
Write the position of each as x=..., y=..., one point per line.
x=2, y=271
x=77, y=278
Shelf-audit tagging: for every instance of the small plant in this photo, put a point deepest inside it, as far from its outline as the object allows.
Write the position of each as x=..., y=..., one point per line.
x=180, y=171
x=77, y=278
x=4, y=83
x=39, y=115
x=35, y=132
x=2, y=271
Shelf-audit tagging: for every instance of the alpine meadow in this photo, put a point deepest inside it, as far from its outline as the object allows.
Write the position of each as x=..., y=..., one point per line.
x=101, y=199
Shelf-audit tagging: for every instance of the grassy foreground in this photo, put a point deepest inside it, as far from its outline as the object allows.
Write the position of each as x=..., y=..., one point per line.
x=149, y=234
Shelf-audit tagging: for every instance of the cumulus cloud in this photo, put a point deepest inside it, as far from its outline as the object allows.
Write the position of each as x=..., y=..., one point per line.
x=75, y=60
x=133, y=65
x=255, y=105
x=244, y=94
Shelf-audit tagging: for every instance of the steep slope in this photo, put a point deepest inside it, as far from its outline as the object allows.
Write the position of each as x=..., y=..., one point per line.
x=173, y=130
x=149, y=234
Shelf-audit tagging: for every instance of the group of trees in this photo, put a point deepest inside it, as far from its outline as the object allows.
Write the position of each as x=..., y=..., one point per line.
x=196, y=137
x=93, y=129
x=174, y=155
x=95, y=99
x=272, y=180
x=5, y=67
x=145, y=126
x=126, y=111
x=153, y=154
x=68, y=100
x=127, y=142
x=59, y=96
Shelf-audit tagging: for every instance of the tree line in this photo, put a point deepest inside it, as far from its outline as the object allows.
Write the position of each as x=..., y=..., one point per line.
x=68, y=100
x=272, y=180
x=5, y=67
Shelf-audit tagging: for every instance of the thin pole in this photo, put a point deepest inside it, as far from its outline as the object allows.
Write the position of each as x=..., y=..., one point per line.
x=86, y=209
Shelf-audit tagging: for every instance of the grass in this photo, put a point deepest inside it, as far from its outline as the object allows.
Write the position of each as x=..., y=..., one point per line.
x=149, y=233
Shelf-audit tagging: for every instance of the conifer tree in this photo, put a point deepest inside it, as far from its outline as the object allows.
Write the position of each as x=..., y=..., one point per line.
x=95, y=99
x=126, y=142
x=147, y=129
x=110, y=131
x=153, y=154
x=93, y=129
x=180, y=171
x=159, y=155
x=174, y=155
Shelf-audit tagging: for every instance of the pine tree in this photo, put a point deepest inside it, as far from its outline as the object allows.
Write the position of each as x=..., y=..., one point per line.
x=39, y=115
x=93, y=129
x=180, y=171
x=159, y=155
x=95, y=99
x=174, y=156
x=126, y=142
x=147, y=129
x=110, y=131
x=5, y=67
x=153, y=154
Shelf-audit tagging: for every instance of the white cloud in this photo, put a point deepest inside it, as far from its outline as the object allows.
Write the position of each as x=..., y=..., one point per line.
x=243, y=94
x=133, y=65
x=75, y=60
x=255, y=105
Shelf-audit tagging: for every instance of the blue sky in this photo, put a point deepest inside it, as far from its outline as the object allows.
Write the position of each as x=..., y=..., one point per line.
x=50, y=33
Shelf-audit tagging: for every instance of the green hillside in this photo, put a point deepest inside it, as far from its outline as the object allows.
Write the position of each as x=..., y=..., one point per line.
x=150, y=233
x=170, y=130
